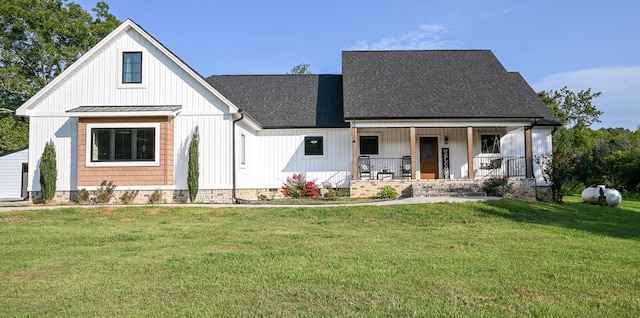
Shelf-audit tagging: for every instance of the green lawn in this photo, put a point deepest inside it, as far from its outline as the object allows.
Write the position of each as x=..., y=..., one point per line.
x=502, y=258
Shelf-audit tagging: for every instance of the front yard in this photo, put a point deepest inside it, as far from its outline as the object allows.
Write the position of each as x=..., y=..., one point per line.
x=502, y=258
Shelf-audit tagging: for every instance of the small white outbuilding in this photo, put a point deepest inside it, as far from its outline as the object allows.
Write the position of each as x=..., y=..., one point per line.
x=13, y=174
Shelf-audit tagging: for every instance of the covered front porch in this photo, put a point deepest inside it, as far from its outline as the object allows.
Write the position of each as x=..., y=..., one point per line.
x=446, y=152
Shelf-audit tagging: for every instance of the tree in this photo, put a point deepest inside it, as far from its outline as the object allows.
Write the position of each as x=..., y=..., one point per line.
x=301, y=69
x=193, y=173
x=48, y=172
x=571, y=143
x=39, y=40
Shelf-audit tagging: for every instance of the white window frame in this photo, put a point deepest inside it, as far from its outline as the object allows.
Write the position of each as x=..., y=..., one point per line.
x=156, y=157
x=145, y=68
x=243, y=150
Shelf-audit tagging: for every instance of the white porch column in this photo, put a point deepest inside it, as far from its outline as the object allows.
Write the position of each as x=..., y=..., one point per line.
x=470, y=173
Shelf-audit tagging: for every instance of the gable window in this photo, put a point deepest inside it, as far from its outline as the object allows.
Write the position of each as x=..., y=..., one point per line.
x=123, y=144
x=369, y=145
x=131, y=67
x=490, y=143
x=313, y=146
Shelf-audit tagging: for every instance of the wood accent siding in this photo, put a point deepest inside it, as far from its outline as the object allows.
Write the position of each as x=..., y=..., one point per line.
x=128, y=175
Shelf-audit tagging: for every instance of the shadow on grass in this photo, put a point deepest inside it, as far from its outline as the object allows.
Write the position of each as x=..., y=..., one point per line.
x=620, y=222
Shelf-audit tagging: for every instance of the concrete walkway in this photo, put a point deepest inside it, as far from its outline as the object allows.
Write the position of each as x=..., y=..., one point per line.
x=25, y=206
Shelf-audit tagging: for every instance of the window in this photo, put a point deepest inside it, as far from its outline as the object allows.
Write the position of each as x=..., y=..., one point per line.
x=242, y=149
x=490, y=143
x=369, y=145
x=313, y=146
x=131, y=67
x=123, y=144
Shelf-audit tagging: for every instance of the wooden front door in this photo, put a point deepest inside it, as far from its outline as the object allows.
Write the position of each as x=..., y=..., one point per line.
x=428, y=158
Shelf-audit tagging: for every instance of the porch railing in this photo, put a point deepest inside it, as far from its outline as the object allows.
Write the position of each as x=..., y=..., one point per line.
x=385, y=169
x=503, y=166
x=484, y=167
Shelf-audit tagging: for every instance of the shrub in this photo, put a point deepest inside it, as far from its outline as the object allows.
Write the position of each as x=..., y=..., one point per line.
x=297, y=186
x=129, y=196
x=105, y=191
x=48, y=172
x=262, y=197
x=344, y=192
x=330, y=192
x=497, y=187
x=387, y=192
x=83, y=196
x=194, y=168
x=156, y=196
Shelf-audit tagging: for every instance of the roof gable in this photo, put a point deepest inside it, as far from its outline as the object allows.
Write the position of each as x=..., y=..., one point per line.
x=286, y=101
x=435, y=84
x=128, y=26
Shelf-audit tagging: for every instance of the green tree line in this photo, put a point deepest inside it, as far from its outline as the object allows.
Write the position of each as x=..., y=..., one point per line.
x=608, y=156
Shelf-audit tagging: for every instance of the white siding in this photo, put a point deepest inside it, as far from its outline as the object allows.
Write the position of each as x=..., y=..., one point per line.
x=275, y=154
x=542, y=143
x=63, y=131
x=97, y=83
x=11, y=173
x=215, y=150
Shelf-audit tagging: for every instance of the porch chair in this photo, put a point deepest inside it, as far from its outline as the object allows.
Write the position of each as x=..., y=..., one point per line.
x=364, y=167
x=492, y=167
x=405, y=168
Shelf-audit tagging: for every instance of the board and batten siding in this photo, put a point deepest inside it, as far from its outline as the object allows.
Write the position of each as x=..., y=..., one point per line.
x=11, y=174
x=63, y=131
x=215, y=150
x=97, y=82
x=272, y=155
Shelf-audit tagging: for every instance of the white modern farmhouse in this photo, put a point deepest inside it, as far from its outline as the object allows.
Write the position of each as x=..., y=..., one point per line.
x=420, y=121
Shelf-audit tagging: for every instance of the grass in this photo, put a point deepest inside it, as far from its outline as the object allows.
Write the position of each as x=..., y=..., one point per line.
x=502, y=258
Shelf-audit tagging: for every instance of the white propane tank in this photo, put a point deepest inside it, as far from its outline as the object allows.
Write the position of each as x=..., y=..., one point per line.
x=591, y=195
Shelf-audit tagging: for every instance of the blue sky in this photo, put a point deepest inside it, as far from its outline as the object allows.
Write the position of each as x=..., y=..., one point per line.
x=579, y=44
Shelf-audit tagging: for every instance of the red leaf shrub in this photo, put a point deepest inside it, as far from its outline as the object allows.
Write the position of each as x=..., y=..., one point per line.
x=297, y=186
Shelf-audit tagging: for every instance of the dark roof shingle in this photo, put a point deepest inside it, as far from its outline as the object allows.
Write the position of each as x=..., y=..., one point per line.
x=285, y=101
x=435, y=84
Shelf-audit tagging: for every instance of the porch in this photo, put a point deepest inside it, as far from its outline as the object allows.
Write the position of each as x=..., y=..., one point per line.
x=446, y=152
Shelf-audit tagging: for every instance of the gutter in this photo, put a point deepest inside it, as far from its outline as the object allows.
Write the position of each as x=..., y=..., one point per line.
x=233, y=156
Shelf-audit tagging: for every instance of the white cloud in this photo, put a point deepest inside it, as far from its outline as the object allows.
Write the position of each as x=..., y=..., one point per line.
x=425, y=37
x=620, y=87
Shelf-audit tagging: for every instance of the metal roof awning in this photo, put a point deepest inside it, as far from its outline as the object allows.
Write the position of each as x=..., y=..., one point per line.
x=124, y=111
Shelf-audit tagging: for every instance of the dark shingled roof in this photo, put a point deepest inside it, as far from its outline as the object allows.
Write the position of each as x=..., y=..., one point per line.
x=435, y=84
x=285, y=101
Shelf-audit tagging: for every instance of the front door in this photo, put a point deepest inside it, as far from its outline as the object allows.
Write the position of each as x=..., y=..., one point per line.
x=428, y=158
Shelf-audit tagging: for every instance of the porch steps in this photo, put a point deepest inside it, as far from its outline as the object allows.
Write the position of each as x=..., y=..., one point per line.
x=448, y=189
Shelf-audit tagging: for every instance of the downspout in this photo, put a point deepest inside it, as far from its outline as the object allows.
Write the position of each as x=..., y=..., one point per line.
x=233, y=156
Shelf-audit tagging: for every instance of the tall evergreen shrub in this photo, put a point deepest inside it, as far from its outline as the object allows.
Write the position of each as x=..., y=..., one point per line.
x=48, y=172
x=194, y=169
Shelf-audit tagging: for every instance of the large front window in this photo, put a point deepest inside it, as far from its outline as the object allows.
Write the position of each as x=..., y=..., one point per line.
x=123, y=144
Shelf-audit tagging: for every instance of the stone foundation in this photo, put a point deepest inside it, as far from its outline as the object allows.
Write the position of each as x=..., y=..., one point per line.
x=143, y=197
x=254, y=194
x=370, y=188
